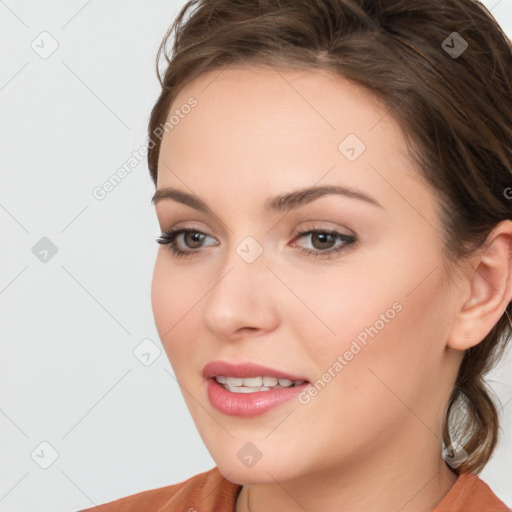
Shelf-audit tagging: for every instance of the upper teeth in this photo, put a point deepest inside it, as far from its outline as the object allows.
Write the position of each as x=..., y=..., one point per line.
x=256, y=382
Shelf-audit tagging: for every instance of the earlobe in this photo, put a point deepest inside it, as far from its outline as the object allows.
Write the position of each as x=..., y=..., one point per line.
x=490, y=290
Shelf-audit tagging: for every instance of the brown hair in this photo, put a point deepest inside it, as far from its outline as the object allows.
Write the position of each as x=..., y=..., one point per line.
x=455, y=112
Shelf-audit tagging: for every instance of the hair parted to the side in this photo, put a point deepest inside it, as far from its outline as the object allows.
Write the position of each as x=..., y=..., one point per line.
x=455, y=114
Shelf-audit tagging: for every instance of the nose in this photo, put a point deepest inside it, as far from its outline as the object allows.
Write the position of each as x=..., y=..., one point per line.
x=243, y=300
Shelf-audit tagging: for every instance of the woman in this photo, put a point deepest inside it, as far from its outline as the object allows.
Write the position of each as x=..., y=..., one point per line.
x=333, y=184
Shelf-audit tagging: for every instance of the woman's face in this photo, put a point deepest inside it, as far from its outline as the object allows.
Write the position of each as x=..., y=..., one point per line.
x=362, y=318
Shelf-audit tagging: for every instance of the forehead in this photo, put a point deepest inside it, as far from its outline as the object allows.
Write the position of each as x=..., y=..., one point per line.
x=279, y=105
x=264, y=130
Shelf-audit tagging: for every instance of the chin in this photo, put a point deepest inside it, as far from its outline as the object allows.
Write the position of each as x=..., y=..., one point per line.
x=258, y=474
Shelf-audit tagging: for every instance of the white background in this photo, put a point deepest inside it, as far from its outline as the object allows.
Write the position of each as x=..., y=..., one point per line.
x=69, y=326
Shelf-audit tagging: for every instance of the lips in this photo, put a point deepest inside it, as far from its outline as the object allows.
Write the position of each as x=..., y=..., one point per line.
x=246, y=370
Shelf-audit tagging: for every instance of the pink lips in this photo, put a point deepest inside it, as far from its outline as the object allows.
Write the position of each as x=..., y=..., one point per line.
x=247, y=404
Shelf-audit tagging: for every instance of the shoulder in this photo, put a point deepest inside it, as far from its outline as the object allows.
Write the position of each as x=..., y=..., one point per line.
x=470, y=493
x=205, y=491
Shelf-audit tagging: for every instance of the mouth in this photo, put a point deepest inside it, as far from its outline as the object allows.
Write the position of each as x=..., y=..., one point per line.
x=249, y=389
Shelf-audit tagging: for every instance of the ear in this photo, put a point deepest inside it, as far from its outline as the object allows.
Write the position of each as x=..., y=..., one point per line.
x=490, y=286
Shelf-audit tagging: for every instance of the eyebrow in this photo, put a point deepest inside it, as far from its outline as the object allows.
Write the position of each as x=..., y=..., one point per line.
x=283, y=202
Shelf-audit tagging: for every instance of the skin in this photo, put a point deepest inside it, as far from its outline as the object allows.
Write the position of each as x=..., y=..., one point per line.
x=371, y=439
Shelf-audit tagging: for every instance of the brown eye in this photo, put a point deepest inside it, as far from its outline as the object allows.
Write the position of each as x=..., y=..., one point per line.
x=193, y=239
x=322, y=241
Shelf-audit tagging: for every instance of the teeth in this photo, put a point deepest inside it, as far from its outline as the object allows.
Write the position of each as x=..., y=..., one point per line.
x=269, y=381
x=254, y=384
x=235, y=381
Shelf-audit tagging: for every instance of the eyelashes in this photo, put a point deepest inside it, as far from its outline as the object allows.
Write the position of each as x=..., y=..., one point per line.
x=169, y=238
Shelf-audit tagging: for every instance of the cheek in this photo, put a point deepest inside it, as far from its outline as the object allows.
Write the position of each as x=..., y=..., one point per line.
x=161, y=299
x=387, y=317
x=377, y=381
x=172, y=304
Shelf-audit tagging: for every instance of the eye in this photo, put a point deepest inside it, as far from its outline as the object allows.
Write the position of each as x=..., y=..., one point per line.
x=195, y=240
x=322, y=238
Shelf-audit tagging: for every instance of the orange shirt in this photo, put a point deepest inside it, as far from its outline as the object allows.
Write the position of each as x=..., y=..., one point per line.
x=211, y=492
